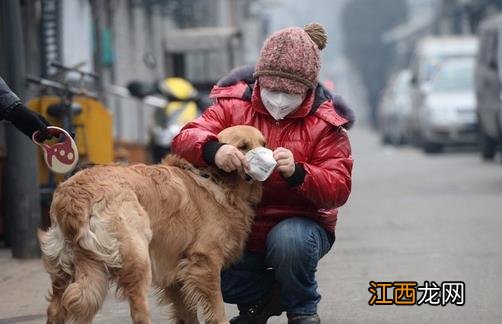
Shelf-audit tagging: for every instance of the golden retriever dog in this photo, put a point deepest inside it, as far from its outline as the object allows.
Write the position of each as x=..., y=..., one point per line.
x=171, y=224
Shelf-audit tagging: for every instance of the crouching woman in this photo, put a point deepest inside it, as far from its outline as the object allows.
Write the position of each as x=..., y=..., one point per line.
x=305, y=126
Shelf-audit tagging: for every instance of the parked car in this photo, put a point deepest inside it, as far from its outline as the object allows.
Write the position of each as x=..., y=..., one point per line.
x=429, y=53
x=395, y=110
x=448, y=115
x=488, y=86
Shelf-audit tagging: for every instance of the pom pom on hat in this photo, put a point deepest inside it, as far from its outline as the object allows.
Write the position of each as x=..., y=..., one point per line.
x=317, y=34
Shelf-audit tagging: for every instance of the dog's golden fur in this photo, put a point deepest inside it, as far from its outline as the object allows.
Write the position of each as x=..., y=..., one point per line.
x=169, y=223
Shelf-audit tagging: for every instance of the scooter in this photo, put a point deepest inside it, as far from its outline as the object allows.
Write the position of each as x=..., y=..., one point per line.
x=182, y=105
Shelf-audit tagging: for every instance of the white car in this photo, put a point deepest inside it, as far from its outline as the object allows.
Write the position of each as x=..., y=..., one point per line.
x=448, y=114
x=430, y=52
x=395, y=110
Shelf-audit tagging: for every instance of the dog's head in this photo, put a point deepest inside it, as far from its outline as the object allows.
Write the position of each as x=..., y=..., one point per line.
x=244, y=137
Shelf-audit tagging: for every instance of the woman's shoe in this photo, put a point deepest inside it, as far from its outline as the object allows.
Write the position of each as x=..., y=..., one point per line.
x=260, y=312
x=304, y=319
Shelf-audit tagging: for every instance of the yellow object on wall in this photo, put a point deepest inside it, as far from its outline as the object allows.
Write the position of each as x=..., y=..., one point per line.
x=93, y=128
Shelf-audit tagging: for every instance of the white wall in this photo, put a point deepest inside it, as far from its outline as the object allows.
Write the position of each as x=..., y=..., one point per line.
x=131, y=41
x=77, y=33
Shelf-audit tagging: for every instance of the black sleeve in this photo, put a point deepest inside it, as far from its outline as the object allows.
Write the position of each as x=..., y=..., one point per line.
x=209, y=151
x=8, y=99
x=297, y=177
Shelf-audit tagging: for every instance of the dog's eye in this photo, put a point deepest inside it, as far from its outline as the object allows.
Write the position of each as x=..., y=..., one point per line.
x=243, y=146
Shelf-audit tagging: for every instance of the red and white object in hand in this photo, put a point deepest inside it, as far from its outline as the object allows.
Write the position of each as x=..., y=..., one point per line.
x=61, y=157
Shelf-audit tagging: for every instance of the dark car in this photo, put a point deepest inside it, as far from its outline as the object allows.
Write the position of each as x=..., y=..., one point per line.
x=488, y=86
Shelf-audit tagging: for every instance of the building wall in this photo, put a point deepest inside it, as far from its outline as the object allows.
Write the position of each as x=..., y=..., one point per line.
x=137, y=35
x=211, y=66
x=464, y=16
x=77, y=33
x=139, y=29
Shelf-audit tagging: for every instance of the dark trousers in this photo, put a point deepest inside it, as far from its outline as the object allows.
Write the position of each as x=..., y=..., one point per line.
x=159, y=152
x=293, y=250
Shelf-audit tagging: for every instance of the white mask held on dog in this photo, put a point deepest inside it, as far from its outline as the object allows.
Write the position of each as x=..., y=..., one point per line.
x=261, y=163
x=280, y=104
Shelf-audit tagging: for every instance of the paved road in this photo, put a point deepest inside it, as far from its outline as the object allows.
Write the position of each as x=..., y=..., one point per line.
x=410, y=218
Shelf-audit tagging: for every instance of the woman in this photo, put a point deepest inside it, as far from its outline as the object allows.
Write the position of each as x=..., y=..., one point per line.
x=305, y=127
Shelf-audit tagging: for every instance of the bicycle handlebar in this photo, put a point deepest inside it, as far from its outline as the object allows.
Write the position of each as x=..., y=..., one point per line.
x=62, y=87
x=74, y=69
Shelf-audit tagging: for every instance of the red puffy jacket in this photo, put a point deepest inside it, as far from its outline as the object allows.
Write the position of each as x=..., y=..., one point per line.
x=314, y=133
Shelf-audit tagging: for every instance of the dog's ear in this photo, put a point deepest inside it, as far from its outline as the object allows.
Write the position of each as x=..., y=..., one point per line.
x=226, y=136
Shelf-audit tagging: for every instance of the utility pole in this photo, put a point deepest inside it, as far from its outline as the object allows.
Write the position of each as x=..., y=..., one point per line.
x=22, y=196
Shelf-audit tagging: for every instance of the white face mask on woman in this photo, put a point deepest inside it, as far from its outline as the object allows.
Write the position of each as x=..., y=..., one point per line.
x=280, y=104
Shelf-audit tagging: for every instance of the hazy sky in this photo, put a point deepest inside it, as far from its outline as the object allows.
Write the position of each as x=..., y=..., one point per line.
x=285, y=13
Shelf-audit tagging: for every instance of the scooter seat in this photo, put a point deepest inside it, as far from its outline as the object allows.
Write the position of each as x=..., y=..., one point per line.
x=59, y=110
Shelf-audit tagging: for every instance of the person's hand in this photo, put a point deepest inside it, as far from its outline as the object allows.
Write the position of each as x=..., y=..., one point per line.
x=29, y=122
x=229, y=158
x=285, y=161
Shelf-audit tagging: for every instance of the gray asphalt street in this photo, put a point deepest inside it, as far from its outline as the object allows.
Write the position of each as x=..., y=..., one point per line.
x=411, y=217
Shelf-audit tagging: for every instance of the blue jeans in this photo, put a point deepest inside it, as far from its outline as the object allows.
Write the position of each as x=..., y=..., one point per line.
x=294, y=248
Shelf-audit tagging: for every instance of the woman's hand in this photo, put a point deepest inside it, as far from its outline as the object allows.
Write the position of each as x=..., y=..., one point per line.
x=285, y=161
x=229, y=158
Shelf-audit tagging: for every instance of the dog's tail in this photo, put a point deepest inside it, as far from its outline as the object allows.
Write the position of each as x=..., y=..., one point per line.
x=79, y=250
x=79, y=281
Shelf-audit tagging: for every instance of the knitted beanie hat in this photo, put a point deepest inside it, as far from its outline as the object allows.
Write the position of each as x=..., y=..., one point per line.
x=290, y=59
